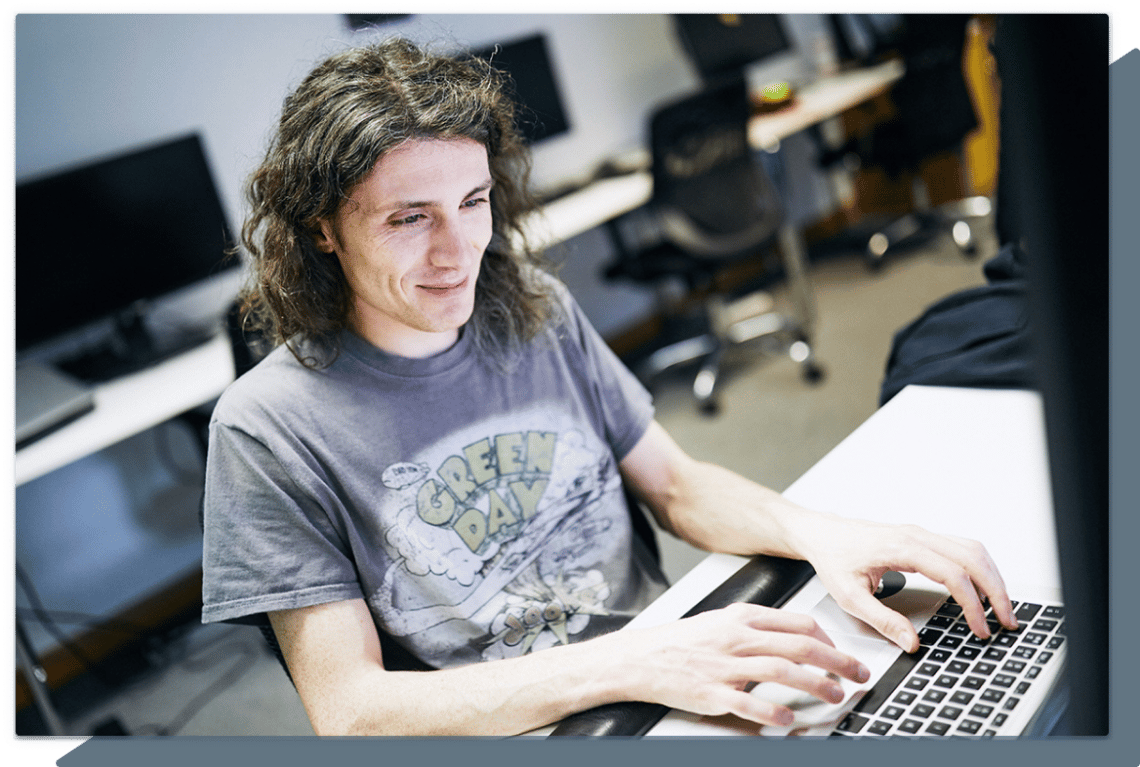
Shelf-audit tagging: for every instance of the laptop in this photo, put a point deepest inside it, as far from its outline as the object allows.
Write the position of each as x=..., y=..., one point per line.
x=955, y=685
x=47, y=399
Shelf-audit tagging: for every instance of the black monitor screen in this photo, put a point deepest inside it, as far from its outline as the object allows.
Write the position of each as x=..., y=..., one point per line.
x=725, y=43
x=98, y=239
x=527, y=61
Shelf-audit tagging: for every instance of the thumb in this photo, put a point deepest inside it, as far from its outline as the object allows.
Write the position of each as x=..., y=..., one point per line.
x=891, y=624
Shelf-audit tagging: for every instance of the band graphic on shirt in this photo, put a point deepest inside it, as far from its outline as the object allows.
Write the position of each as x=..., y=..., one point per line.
x=505, y=533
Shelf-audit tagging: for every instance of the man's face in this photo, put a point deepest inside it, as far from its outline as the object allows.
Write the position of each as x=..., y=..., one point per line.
x=410, y=240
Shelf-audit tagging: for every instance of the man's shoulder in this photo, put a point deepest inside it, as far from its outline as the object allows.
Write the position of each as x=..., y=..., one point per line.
x=279, y=382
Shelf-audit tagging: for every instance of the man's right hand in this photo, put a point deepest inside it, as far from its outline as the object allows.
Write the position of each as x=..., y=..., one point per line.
x=703, y=664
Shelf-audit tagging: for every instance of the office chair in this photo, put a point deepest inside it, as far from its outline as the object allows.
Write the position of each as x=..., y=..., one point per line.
x=933, y=114
x=713, y=206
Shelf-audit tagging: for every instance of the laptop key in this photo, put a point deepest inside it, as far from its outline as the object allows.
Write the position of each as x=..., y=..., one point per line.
x=938, y=728
x=852, y=723
x=879, y=728
x=1027, y=612
x=910, y=726
x=973, y=682
x=929, y=636
x=981, y=710
x=969, y=727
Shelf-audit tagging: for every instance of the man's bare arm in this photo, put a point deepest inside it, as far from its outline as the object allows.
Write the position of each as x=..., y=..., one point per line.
x=700, y=664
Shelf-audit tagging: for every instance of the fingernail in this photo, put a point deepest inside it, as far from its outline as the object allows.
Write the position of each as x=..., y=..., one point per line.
x=863, y=673
x=784, y=717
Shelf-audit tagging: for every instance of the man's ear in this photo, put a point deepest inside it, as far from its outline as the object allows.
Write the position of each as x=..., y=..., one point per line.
x=324, y=239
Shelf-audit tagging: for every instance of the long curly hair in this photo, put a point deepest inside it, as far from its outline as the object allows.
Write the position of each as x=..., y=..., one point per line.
x=344, y=116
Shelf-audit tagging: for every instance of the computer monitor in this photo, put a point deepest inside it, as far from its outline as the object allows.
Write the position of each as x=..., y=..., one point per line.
x=1055, y=188
x=541, y=113
x=101, y=240
x=724, y=44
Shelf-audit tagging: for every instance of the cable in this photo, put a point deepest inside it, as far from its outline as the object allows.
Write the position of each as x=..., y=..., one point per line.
x=49, y=623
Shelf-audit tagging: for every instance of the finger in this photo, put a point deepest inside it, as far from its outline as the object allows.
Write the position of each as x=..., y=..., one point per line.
x=988, y=580
x=796, y=649
x=768, y=619
x=891, y=624
x=758, y=710
x=784, y=672
x=981, y=574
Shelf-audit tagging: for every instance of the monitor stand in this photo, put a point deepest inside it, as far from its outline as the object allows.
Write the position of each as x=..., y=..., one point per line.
x=131, y=347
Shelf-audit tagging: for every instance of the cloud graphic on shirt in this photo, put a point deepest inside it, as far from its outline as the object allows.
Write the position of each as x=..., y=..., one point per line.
x=426, y=550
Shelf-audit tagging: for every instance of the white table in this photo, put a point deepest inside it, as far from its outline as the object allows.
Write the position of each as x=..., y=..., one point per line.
x=132, y=404
x=969, y=462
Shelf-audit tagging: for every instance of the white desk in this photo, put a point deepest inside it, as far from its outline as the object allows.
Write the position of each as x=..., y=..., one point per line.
x=133, y=404
x=603, y=200
x=966, y=462
x=970, y=462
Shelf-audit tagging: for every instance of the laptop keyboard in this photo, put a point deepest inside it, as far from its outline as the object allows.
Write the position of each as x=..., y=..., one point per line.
x=957, y=683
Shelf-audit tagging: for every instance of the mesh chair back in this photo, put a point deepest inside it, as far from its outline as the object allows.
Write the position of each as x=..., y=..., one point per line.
x=714, y=198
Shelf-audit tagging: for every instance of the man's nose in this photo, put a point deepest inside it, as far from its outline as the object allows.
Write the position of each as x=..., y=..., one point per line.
x=451, y=243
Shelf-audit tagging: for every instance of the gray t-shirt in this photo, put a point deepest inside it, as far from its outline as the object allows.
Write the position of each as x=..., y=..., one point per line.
x=480, y=513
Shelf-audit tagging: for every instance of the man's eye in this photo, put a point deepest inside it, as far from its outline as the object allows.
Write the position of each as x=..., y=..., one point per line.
x=475, y=202
x=408, y=219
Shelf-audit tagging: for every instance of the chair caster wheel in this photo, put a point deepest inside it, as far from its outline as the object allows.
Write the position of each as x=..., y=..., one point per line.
x=813, y=374
x=709, y=408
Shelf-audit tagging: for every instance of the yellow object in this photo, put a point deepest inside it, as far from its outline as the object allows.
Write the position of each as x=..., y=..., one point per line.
x=776, y=92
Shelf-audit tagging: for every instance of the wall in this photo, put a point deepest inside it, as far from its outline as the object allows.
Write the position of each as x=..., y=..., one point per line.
x=100, y=533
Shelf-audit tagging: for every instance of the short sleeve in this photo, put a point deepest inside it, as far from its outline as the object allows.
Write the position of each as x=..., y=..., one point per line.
x=626, y=406
x=267, y=542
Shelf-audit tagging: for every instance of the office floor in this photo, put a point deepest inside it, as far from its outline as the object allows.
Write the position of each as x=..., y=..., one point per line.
x=772, y=427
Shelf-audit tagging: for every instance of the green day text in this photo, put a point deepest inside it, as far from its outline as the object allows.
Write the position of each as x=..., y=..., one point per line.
x=486, y=493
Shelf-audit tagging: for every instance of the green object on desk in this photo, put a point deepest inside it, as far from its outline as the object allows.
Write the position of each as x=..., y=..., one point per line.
x=776, y=92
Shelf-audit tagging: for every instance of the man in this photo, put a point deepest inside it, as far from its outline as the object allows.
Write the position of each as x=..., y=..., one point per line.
x=432, y=461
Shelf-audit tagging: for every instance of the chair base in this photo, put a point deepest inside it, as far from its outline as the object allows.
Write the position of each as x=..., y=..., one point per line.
x=728, y=329
x=923, y=224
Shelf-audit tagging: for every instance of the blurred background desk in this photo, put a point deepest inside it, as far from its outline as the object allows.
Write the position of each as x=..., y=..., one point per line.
x=604, y=199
